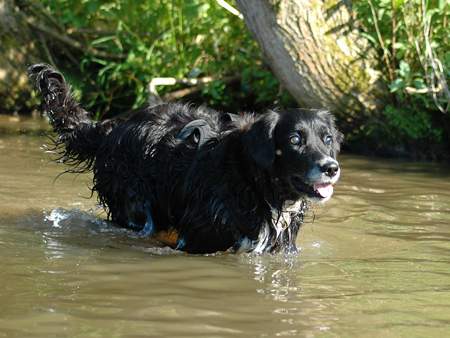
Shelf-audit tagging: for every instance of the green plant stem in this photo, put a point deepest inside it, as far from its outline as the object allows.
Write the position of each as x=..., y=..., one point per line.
x=381, y=41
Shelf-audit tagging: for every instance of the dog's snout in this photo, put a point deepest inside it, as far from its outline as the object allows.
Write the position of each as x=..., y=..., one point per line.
x=330, y=168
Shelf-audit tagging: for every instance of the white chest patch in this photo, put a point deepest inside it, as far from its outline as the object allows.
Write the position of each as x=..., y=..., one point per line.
x=280, y=223
x=285, y=218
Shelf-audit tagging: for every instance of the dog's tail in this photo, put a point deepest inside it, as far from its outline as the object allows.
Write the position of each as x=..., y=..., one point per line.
x=78, y=136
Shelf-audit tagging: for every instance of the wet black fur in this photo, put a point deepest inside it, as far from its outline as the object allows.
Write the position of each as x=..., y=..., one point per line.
x=214, y=178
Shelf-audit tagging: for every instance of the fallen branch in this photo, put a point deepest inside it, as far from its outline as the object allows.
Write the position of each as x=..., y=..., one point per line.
x=178, y=94
x=230, y=8
x=170, y=81
x=412, y=90
x=197, y=85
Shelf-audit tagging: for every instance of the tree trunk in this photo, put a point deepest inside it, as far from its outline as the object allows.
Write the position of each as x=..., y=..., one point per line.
x=317, y=54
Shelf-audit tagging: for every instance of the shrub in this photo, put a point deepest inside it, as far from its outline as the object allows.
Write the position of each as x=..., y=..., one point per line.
x=127, y=43
x=412, y=38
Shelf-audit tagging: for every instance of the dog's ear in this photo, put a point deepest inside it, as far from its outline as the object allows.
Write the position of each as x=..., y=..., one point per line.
x=199, y=130
x=259, y=141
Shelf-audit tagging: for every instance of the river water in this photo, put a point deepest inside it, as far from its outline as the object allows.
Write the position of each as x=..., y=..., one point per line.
x=375, y=261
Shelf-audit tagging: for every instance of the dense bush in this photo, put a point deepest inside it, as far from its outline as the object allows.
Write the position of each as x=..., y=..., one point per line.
x=127, y=43
x=111, y=50
x=413, y=41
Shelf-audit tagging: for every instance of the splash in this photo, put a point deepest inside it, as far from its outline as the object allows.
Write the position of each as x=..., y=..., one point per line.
x=56, y=216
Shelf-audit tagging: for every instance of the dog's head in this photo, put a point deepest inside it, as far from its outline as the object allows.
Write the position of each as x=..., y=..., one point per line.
x=298, y=147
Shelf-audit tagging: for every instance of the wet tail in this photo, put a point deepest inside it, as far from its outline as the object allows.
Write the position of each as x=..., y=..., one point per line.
x=78, y=136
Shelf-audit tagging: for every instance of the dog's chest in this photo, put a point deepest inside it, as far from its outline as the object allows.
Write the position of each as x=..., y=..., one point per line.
x=289, y=208
x=280, y=222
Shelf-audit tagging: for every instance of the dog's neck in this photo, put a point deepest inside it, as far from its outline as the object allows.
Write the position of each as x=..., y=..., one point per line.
x=282, y=228
x=282, y=220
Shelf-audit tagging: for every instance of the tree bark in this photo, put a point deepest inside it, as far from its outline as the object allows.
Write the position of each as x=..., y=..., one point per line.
x=317, y=54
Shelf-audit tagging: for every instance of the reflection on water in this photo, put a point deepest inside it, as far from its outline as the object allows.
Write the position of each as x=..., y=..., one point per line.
x=374, y=262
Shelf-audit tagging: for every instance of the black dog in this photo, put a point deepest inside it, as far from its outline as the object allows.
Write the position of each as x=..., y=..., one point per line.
x=195, y=179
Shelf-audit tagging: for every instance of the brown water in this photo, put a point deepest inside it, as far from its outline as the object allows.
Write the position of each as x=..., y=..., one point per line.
x=374, y=263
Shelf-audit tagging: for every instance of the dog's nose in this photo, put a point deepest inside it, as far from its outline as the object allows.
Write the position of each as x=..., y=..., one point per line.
x=330, y=169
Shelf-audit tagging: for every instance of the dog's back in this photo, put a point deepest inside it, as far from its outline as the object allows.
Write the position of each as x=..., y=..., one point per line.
x=140, y=155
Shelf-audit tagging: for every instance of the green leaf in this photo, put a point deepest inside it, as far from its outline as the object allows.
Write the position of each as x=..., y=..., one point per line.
x=370, y=38
x=102, y=40
x=404, y=70
x=398, y=3
x=400, y=46
x=419, y=84
x=396, y=85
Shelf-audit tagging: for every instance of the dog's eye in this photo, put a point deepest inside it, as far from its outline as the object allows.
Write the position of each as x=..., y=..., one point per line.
x=328, y=140
x=295, y=139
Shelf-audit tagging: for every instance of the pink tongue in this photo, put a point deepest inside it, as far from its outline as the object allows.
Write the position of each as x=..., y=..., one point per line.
x=324, y=190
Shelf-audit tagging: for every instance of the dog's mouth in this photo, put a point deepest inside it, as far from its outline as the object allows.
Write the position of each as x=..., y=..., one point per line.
x=320, y=191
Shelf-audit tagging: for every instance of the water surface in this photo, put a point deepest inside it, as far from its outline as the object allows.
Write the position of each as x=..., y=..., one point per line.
x=375, y=261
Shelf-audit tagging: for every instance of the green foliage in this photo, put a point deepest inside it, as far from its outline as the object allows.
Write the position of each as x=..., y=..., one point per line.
x=412, y=124
x=413, y=39
x=130, y=42
x=111, y=50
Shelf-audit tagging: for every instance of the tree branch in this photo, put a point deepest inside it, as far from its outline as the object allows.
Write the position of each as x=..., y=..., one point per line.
x=74, y=43
x=197, y=85
x=230, y=8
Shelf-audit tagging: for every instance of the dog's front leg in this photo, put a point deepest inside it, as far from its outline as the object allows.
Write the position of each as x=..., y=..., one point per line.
x=149, y=226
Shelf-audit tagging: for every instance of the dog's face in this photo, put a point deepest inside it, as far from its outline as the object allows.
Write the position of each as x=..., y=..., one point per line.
x=299, y=148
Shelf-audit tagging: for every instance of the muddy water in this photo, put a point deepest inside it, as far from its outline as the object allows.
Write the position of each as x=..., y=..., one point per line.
x=375, y=262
